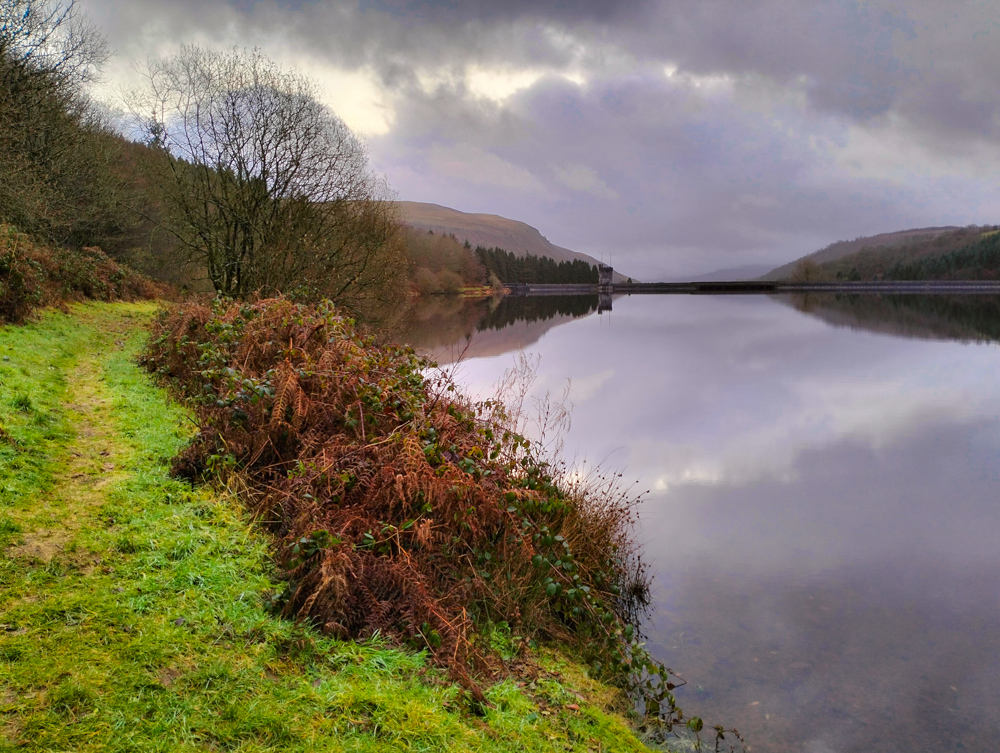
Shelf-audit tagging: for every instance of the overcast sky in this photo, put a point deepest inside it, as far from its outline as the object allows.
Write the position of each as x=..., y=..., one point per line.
x=675, y=136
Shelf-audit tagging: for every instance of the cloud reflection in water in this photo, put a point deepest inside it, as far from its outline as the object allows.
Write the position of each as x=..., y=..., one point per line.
x=822, y=516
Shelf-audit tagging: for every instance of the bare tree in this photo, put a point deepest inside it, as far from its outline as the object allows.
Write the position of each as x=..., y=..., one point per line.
x=807, y=270
x=56, y=156
x=267, y=187
x=52, y=39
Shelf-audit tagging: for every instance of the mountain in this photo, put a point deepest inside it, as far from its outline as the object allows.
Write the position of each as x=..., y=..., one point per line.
x=746, y=272
x=841, y=249
x=489, y=230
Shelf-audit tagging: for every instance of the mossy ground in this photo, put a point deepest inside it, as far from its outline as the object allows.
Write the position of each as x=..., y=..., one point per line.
x=131, y=606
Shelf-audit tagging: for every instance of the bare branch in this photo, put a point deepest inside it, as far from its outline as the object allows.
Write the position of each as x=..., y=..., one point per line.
x=268, y=186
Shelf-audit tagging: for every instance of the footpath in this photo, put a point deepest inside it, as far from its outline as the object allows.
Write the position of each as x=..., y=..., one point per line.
x=132, y=606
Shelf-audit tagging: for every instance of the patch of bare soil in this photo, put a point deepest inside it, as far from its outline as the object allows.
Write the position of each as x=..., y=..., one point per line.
x=89, y=467
x=8, y=729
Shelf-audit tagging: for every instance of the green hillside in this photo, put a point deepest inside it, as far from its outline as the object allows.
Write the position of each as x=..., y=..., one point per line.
x=970, y=253
x=840, y=249
x=489, y=231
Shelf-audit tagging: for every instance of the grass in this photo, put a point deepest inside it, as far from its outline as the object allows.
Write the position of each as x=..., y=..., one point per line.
x=131, y=606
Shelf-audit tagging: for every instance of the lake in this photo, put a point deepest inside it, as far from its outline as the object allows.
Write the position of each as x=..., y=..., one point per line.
x=823, y=517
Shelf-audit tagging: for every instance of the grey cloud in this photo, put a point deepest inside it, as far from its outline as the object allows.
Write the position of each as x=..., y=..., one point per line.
x=932, y=61
x=460, y=11
x=854, y=58
x=696, y=182
x=681, y=180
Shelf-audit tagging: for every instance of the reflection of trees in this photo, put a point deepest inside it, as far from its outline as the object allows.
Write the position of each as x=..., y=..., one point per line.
x=536, y=308
x=435, y=322
x=944, y=317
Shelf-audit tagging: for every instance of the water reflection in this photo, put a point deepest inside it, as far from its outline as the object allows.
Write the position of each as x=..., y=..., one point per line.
x=853, y=608
x=973, y=318
x=448, y=328
x=822, y=516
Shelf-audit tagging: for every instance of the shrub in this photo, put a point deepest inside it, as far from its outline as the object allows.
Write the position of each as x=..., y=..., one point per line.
x=20, y=285
x=32, y=276
x=399, y=507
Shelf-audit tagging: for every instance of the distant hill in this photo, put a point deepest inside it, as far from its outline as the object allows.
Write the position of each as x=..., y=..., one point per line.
x=746, y=272
x=967, y=253
x=841, y=249
x=489, y=230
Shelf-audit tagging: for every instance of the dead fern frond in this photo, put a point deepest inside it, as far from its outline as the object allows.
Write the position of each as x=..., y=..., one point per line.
x=409, y=512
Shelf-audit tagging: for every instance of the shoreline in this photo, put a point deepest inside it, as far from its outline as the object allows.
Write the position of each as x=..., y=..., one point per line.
x=745, y=287
x=167, y=583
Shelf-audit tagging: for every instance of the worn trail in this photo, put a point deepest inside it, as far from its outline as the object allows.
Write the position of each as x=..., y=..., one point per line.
x=132, y=606
x=85, y=468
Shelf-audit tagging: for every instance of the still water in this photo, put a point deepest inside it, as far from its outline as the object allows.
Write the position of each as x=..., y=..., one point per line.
x=823, y=517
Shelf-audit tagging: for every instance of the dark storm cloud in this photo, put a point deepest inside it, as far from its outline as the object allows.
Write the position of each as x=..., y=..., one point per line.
x=933, y=61
x=733, y=159
x=670, y=169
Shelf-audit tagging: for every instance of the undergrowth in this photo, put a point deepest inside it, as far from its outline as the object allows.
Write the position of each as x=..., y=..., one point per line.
x=402, y=509
x=33, y=276
x=144, y=628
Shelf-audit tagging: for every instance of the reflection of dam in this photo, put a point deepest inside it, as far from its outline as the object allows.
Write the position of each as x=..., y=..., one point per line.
x=604, y=292
x=604, y=301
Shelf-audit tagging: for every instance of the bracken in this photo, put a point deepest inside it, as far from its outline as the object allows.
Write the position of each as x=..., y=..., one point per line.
x=33, y=276
x=401, y=507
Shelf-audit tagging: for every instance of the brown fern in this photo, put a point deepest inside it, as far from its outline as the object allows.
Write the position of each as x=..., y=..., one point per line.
x=344, y=444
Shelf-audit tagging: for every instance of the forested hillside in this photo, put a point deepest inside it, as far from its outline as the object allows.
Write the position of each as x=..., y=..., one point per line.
x=439, y=264
x=489, y=231
x=841, y=249
x=509, y=268
x=970, y=253
x=979, y=259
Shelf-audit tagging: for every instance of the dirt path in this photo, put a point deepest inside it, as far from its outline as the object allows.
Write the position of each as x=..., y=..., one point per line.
x=87, y=467
x=131, y=604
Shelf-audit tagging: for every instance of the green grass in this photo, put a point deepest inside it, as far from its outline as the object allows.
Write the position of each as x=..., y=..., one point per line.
x=131, y=614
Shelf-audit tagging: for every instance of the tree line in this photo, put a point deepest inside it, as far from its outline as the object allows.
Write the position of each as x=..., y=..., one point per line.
x=968, y=253
x=980, y=260
x=220, y=172
x=509, y=268
x=439, y=264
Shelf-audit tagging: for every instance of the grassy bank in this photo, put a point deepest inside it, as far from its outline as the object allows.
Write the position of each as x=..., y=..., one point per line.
x=131, y=607
x=34, y=275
